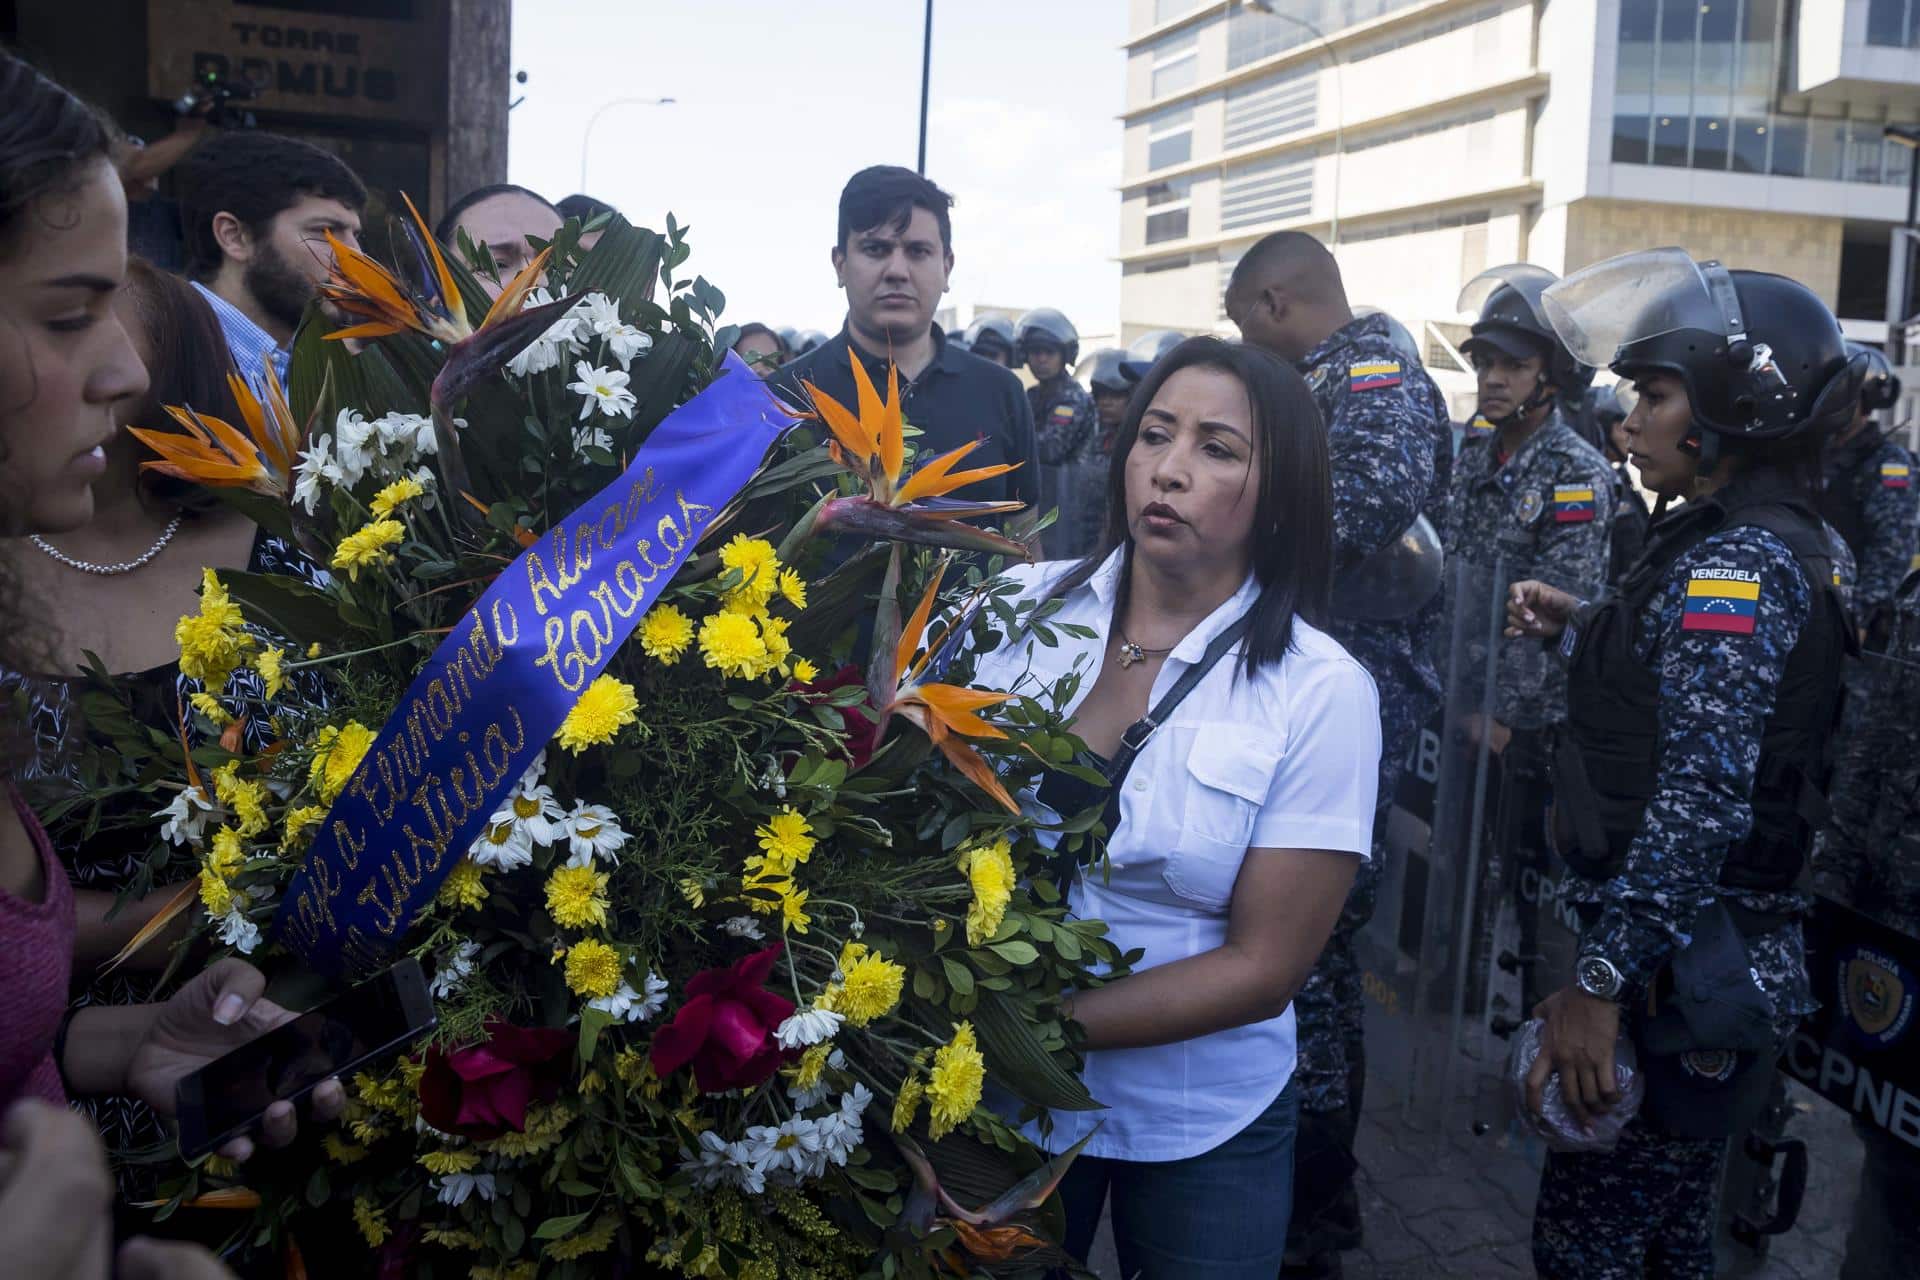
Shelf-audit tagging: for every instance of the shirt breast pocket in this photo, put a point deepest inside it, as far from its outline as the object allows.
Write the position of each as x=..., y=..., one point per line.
x=1224, y=785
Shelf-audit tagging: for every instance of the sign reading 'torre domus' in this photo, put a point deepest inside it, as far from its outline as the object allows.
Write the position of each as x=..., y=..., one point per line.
x=366, y=59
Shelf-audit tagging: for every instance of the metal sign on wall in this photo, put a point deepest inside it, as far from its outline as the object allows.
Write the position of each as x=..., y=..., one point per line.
x=363, y=59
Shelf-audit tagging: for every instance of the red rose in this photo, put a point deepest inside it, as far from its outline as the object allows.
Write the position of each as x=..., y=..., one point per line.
x=861, y=730
x=725, y=1029
x=483, y=1090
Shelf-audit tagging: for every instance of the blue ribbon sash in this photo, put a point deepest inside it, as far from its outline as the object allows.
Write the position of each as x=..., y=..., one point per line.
x=497, y=688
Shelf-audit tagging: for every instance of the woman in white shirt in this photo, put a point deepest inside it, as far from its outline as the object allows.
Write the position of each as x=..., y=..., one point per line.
x=1237, y=831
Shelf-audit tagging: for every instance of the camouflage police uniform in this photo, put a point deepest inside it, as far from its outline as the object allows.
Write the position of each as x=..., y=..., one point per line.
x=1546, y=513
x=1066, y=437
x=1869, y=858
x=1870, y=497
x=1648, y=1207
x=1630, y=519
x=1390, y=444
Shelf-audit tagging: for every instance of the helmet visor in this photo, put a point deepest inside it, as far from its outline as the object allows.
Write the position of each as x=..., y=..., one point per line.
x=1523, y=278
x=1601, y=308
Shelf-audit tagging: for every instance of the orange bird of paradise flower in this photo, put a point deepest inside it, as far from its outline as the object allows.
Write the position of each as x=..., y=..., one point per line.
x=216, y=454
x=385, y=305
x=872, y=444
x=946, y=713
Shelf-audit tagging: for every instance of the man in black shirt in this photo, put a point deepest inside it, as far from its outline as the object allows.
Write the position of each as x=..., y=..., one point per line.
x=893, y=257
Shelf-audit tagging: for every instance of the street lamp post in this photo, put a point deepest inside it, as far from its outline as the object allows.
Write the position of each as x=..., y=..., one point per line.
x=926, y=76
x=1900, y=266
x=586, y=136
x=1339, y=102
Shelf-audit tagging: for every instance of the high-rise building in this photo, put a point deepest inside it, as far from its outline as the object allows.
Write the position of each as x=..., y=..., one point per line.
x=1429, y=139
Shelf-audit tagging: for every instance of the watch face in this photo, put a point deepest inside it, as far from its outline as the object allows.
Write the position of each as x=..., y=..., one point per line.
x=1598, y=978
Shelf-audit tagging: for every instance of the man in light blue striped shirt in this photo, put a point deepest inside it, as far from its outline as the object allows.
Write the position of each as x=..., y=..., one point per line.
x=256, y=208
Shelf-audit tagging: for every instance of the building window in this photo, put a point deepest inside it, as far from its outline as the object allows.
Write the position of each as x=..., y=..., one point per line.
x=1170, y=138
x=1168, y=10
x=1253, y=35
x=1266, y=191
x=1892, y=23
x=1167, y=205
x=1176, y=64
x=1171, y=225
x=1179, y=262
x=1275, y=107
x=1696, y=88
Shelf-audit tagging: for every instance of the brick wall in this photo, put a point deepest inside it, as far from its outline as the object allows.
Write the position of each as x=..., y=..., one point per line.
x=1805, y=248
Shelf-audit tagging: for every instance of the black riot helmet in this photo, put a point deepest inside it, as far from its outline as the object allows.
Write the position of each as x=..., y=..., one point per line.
x=1605, y=405
x=1882, y=388
x=1101, y=371
x=1761, y=356
x=1145, y=350
x=989, y=334
x=1511, y=322
x=806, y=340
x=1044, y=324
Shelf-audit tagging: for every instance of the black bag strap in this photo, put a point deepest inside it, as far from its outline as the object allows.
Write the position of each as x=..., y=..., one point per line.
x=1134, y=740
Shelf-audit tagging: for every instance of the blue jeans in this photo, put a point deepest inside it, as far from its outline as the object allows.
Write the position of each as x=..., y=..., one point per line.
x=1221, y=1215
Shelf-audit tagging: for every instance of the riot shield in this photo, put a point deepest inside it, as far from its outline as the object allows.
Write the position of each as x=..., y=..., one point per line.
x=1422, y=953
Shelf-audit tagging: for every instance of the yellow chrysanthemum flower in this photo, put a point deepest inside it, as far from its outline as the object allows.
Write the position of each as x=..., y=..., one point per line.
x=340, y=1151
x=368, y=547
x=213, y=641
x=605, y=707
x=389, y=499
x=953, y=1089
x=593, y=969
x=298, y=821
x=594, y=1239
x=787, y=840
x=759, y=565
x=577, y=897
x=665, y=633
x=694, y=892
x=545, y=1127
x=337, y=752
x=869, y=989
x=444, y=1162
x=215, y=896
x=907, y=1102
x=209, y=706
x=247, y=799
x=989, y=868
x=731, y=644
x=793, y=911
x=773, y=636
x=793, y=588
x=451, y=1238
x=464, y=885
x=371, y=1221
x=225, y=856
x=804, y=671
x=268, y=665
x=806, y=1073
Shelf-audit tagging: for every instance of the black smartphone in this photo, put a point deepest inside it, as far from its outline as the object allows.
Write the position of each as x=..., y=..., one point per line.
x=225, y=1098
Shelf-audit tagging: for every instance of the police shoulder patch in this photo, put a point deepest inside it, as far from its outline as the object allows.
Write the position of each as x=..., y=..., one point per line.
x=1722, y=600
x=1373, y=375
x=1573, y=503
x=1895, y=475
x=1061, y=413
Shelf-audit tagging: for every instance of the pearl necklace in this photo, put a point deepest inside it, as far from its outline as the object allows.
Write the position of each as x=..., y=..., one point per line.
x=108, y=570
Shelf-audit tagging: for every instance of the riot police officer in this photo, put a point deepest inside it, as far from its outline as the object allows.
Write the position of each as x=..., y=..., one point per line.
x=1868, y=494
x=1630, y=513
x=1106, y=381
x=1702, y=694
x=1532, y=499
x=1065, y=432
x=991, y=338
x=1147, y=348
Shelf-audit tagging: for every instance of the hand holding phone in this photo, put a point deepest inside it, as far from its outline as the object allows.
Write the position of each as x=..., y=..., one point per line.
x=219, y=1093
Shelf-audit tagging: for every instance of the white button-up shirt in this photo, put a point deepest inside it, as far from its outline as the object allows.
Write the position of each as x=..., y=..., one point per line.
x=1286, y=760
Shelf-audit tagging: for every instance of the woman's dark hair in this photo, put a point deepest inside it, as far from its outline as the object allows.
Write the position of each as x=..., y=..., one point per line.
x=1293, y=515
x=887, y=195
x=756, y=329
x=188, y=364
x=255, y=177
x=443, y=229
x=583, y=206
x=47, y=137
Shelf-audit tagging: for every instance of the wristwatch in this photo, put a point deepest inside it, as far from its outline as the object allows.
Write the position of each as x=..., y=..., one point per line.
x=1596, y=976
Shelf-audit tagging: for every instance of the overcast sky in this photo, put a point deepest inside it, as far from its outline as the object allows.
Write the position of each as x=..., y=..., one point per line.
x=779, y=102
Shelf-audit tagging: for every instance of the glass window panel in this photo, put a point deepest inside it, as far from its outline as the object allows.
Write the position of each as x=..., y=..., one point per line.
x=1863, y=152
x=1887, y=22
x=1173, y=79
x=1175, y=149
x=1826, y=148
x=1713, y=76
x=1166, y=226
x=1788, y=155
x=1750, y=146
x=1754, y=80
x=1710, y=142
x=1673, y=69
x=1169, y=191
x=1633, y=81
x=1670, y=140
x=1166, y=10
x=1630, y=139
x=1898, y=158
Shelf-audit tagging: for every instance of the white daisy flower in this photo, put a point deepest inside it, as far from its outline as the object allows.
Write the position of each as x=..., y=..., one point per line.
x=744, y=927
x=455, y=1188
x=602, y=389
x=453, y=969
x=592, y=831
x=238, y=932
x=592, y=437
x=186, y=817
x=316, y=467
x=535, y=809
x=808, y=1027
x=354, y=441
x=710, y=1165
x=744, y=1172
x=506, y=846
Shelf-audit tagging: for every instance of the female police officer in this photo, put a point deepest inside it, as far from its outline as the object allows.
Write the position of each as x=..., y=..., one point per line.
x=1701, y=693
